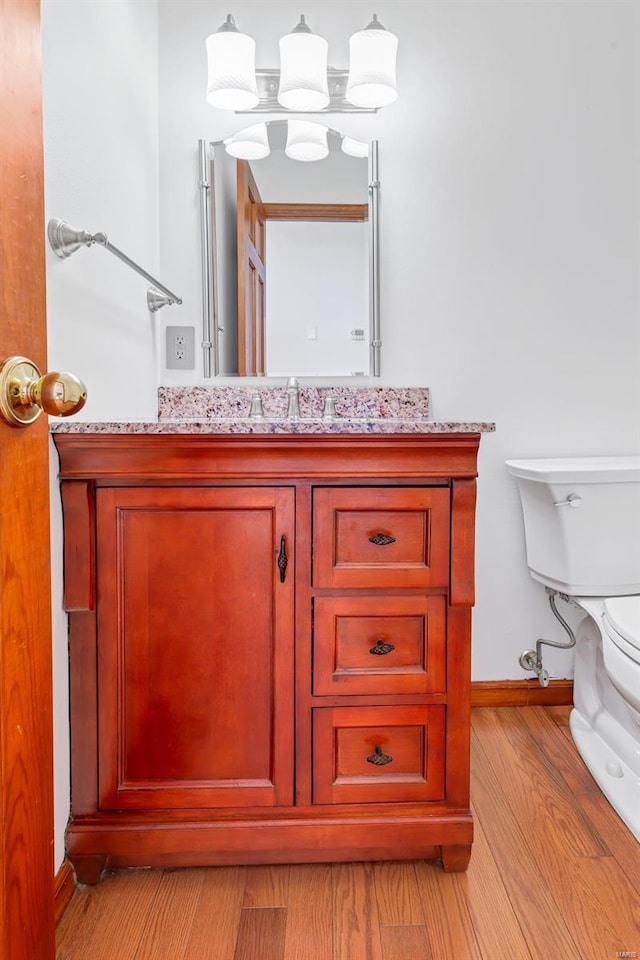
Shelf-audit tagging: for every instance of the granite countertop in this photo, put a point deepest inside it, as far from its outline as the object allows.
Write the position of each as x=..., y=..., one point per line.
x=224, y=410
x=247, y=426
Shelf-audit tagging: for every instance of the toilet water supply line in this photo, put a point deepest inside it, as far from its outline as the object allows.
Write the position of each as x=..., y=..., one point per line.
x=532, y=659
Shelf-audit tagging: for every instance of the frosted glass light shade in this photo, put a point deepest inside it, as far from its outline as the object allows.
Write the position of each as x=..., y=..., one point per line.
x=231, y=59
x=251, y=143
x=306, y=140
x=303, y=70
x=372, y=67
x=355, y=148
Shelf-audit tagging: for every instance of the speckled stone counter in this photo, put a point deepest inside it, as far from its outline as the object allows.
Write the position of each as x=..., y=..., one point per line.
x=231, y=403
x=224, y=410
x=246, y=426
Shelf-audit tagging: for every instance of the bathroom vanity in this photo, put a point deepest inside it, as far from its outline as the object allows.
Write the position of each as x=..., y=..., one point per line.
x=270, y=634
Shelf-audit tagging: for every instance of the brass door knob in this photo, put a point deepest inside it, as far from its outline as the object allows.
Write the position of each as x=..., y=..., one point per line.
x=25, y=394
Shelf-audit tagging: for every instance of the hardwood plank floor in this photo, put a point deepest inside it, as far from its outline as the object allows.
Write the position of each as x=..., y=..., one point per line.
x=553, y=876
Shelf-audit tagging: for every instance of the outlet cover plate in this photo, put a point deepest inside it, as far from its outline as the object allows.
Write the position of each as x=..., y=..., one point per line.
x=180, y=344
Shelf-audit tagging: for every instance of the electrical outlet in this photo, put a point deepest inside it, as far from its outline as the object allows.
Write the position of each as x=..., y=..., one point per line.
x=181, y=348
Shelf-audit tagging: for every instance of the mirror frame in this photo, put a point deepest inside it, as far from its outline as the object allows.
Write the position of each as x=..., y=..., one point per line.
x=210, y=319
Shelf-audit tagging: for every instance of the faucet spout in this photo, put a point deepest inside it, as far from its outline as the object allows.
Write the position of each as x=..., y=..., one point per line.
x=293, y=401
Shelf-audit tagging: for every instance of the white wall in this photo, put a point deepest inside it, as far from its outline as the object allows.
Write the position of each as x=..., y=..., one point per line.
x=509, y=226
x=101, y=173
x=301, y=255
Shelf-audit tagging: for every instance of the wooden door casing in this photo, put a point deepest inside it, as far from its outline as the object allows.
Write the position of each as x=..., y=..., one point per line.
x=26, y=736
x=251, y=274
x=195, y=648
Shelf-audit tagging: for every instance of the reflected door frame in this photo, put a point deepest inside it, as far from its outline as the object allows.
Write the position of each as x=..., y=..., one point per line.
x=251, y=229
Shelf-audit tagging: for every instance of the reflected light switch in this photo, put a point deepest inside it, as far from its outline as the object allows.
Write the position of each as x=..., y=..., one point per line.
x=312, y=333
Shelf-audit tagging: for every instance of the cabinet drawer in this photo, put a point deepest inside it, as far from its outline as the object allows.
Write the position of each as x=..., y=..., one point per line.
x=378, y=645
x=381, y=537
x=378, y=754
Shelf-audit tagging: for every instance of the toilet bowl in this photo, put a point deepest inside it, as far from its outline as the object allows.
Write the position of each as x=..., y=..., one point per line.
x=582, y=535
x=605, y=720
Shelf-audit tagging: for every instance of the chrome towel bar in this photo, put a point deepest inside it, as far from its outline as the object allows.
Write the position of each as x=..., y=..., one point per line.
x=65, y=240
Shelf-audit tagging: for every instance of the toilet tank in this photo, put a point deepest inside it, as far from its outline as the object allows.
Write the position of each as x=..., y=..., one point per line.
x=582, y=523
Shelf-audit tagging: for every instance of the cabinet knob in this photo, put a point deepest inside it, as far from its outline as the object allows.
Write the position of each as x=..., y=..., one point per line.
x=381, y=648
x=382, y=539
x=379, y=759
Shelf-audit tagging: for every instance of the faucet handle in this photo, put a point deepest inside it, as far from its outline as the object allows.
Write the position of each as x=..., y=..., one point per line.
x=329, y=408
x=293, y=402
x=256, y=412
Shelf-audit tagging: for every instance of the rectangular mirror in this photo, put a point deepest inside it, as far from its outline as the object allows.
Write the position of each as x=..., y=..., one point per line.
x=290, y=257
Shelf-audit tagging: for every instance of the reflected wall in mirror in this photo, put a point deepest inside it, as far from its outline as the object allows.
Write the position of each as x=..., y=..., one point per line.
x=291, y=255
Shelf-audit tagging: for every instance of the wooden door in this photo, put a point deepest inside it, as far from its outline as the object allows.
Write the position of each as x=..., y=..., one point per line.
x=195, y=648
x=26, y=767
x=251, y=274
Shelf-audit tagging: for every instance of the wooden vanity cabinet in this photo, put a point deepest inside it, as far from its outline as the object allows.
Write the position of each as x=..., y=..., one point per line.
x=269, y=647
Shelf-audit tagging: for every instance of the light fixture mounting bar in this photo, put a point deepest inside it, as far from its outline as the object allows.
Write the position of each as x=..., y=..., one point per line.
x=268, y=80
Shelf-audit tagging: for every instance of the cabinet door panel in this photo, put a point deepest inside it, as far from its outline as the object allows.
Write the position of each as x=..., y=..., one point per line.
x=194, y=690
x=381, y=537
x=379, y=644
x=378, y=754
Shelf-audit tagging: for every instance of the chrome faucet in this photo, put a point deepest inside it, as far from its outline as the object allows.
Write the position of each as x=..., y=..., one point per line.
x=293, y=402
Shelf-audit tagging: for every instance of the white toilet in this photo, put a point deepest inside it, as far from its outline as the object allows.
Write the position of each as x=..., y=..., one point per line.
x=582, y=532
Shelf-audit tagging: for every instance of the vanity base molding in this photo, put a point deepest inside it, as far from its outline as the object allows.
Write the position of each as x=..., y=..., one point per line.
x=269, y=648
x=93, y=848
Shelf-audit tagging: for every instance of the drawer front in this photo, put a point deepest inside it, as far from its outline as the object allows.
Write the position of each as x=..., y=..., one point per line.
x=381, y=537
x=378, y=754
x=378, y=645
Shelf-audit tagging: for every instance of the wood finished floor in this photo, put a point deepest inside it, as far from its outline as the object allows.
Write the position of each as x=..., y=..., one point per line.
x=554, y=875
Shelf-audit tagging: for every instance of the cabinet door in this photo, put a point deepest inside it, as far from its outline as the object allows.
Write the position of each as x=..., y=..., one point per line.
x=195, y=647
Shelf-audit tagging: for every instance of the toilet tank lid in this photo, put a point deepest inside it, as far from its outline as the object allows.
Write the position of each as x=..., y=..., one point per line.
x=621, y=469
x=623, y=614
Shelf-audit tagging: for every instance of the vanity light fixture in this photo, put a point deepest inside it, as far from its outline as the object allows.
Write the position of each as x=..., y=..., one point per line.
x=303, y=70
x=372, y=66
x=306, y=140
x=231, y=57
x=303, y=83
x=251, y=143
x=354, y=148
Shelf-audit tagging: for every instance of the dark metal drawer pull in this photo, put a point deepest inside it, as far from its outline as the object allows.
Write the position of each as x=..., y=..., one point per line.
x=283, y=559
x=379, y=759
x=381, y=539
x=381, y=648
